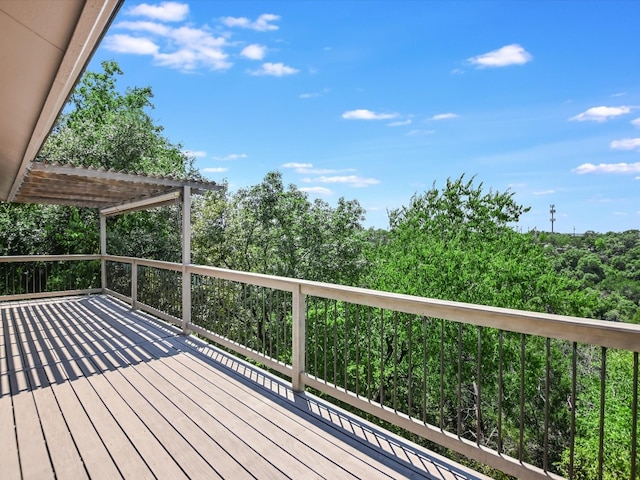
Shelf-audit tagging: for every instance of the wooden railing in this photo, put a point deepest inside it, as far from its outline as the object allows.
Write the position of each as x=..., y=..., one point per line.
x=37, y=276
x=506, y=388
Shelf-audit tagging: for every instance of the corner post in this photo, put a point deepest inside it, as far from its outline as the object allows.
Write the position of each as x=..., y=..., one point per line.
x=186, y=259
x=103, y=252
x=299, y=339
x=134, y=285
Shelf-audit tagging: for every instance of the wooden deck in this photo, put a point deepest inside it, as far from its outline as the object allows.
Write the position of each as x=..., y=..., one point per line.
x=90, y=389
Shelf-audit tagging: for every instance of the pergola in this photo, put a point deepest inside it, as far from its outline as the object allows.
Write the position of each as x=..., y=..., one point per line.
x=45, y=47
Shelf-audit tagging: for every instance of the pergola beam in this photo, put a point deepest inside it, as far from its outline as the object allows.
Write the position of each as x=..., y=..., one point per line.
x=151, y=202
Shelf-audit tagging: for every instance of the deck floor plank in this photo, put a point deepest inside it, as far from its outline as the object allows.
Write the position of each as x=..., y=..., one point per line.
x=260, y=457
x=151, y=451
x=165, y=428
x=123, y=452
x=89, y=388
x=9, y=458
x=302, y=440
x=156, y=456
x=93, y=452
x=332, y=444
x=30, y=436
x=64, y=454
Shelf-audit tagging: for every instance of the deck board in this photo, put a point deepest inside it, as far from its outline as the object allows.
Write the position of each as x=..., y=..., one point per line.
x=89, y=388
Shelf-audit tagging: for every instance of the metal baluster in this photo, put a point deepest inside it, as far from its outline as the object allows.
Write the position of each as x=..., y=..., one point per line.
x=395, y=361
x=410, y=369
x=603, y=379
x=522, y=365
x=545, y=452
x=425, y=327
x=459, y=389
x=382, y=369
x=346, y=347
x=357, y=350
x=264, y=321
x=369, y=373
x=335, y=343
x=285, y=335
x=326, y=309
x=634, y=418
x=272, y=315
x=441, y=374
x=479, y=389
x=500, y=387
x=244, y=317
x=315, y=334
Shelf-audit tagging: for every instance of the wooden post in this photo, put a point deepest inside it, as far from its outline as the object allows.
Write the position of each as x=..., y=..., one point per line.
x=134, y=285
x=186, y=259
x=299, y=339
x=103, y=252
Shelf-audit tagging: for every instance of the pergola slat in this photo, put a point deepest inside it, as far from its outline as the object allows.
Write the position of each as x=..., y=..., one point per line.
x=97, y=188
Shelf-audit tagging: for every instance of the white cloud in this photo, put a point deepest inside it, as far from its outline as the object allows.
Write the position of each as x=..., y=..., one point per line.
x=308, y=169
x=314, y=94
x=444, y=116
x=165, y=11
x=183, y=48
x=419, y=132
x=317, y=190
x=150, y=27
x=214, y=170
x=636, y=122
x=608, y=168
x=275, y=70
x=601, y=114
x=261, y=24
x=400, y=123
x=233, y=156
x=133, y=45
x=362, y=114
x=544, y=192
x=195, y=153
x=254, y=51
x=626, y=144
x=297, y=165
x=512, y=54
x=350, y=180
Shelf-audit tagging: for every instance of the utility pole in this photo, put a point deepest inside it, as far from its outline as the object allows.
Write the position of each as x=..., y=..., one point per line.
x=553, y=219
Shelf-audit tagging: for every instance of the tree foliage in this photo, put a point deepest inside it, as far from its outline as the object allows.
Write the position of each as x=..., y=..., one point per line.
x=457, y=244
x=276, y=230
x=103, y=127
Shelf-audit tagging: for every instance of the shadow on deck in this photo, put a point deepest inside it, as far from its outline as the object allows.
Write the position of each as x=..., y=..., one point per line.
x=89, y=388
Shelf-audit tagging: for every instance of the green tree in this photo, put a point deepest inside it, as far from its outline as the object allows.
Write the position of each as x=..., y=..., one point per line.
x=106, y=128
x=103, y=127
x=273, y=229
x=458, y=244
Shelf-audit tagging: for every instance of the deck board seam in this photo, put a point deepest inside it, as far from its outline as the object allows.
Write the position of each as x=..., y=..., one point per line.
x=99, y=369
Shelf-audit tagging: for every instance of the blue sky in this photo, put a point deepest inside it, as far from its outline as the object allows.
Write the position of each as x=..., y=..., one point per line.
x=377, y=100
